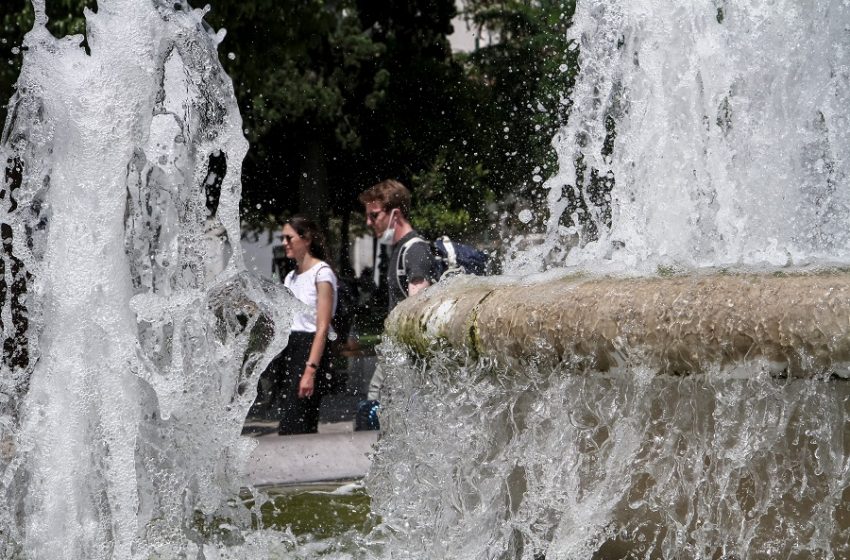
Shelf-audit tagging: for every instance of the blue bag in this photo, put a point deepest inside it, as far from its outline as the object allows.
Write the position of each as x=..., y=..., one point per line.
x=368, y=416
x=454, y=258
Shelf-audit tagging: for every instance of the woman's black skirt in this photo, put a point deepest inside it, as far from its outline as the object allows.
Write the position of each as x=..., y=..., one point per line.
x=297, y=415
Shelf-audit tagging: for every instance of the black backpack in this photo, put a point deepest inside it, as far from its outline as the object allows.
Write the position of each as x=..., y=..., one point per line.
x=450, y=256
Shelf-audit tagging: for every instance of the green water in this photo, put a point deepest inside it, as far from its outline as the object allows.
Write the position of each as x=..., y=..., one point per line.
x=318, y=510
x=304, y=522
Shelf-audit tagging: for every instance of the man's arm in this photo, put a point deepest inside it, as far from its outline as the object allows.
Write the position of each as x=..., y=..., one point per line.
x=416, y=286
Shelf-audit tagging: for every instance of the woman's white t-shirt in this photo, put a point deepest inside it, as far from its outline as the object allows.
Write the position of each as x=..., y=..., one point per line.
x=303, y=287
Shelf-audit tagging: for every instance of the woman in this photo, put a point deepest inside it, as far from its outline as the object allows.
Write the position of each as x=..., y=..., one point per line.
x=305, y=358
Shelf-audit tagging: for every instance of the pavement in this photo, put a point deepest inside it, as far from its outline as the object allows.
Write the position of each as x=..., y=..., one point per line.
x=336, y=453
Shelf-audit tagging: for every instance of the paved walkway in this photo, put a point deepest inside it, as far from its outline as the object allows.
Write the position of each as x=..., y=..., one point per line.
x=335, y=453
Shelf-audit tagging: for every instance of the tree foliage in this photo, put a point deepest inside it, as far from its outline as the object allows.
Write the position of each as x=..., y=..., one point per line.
x=304, y=76
x=528, y=72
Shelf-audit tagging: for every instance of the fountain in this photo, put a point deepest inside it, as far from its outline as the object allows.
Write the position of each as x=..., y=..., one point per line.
x=671, y=381
x=669, y=384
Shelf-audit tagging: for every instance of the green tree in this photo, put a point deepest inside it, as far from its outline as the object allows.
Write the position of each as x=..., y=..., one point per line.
x=419, y=133
x=299, y=69
x=527, y=72
x=338, y=96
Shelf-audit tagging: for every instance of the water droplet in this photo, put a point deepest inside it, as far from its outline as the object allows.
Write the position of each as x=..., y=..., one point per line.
x=526, y=216
x=231, y=56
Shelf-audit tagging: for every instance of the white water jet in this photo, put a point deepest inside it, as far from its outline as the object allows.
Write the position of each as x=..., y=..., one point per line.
x=725, y=129
x=132, y=335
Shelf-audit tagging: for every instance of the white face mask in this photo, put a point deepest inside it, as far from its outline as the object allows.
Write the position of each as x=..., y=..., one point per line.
x=389, y=233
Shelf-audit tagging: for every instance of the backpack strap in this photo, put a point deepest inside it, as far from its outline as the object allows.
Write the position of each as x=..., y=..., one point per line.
x=318, y=270
x=401, y=269
x=451, y=254
x=450, y=263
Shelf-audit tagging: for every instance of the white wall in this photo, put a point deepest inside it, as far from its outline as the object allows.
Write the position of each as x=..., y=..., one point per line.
x=362, y=253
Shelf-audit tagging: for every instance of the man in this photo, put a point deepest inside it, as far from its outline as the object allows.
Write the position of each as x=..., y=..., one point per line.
x=411, y=265
x=387, y=207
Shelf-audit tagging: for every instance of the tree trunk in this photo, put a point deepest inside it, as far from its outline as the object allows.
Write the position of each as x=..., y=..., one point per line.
x=313, y=199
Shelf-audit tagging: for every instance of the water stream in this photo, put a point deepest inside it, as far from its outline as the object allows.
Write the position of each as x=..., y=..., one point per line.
x=132, y=336
x=723, y=127
x=532, y=462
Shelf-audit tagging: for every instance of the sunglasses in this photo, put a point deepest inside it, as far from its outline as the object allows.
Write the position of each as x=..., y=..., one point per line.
x=372, y=216
x=288, y=238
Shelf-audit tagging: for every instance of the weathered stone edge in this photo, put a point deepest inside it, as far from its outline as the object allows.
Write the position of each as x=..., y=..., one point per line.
x=795, y=323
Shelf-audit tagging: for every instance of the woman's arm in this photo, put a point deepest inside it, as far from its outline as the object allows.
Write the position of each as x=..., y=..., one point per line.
x=324, y=312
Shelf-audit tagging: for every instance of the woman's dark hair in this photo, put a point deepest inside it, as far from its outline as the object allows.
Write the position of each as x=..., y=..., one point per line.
x=308, y=229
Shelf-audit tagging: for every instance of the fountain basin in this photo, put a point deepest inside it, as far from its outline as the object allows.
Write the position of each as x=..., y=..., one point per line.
x=689, y=416
x=794, y=323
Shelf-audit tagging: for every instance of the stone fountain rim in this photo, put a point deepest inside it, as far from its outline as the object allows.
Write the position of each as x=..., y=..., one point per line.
x=500, y=317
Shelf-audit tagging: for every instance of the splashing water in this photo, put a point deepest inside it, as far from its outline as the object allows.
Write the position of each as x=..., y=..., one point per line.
x=132, y=336
x=718, y=133
x=484, y=461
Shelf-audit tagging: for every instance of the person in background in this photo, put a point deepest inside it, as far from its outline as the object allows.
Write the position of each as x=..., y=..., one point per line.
x=387, y=207
x=411, y=265
x=298, y=370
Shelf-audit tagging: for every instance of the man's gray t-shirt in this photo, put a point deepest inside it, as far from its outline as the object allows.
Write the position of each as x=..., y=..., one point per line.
x=419, y=264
